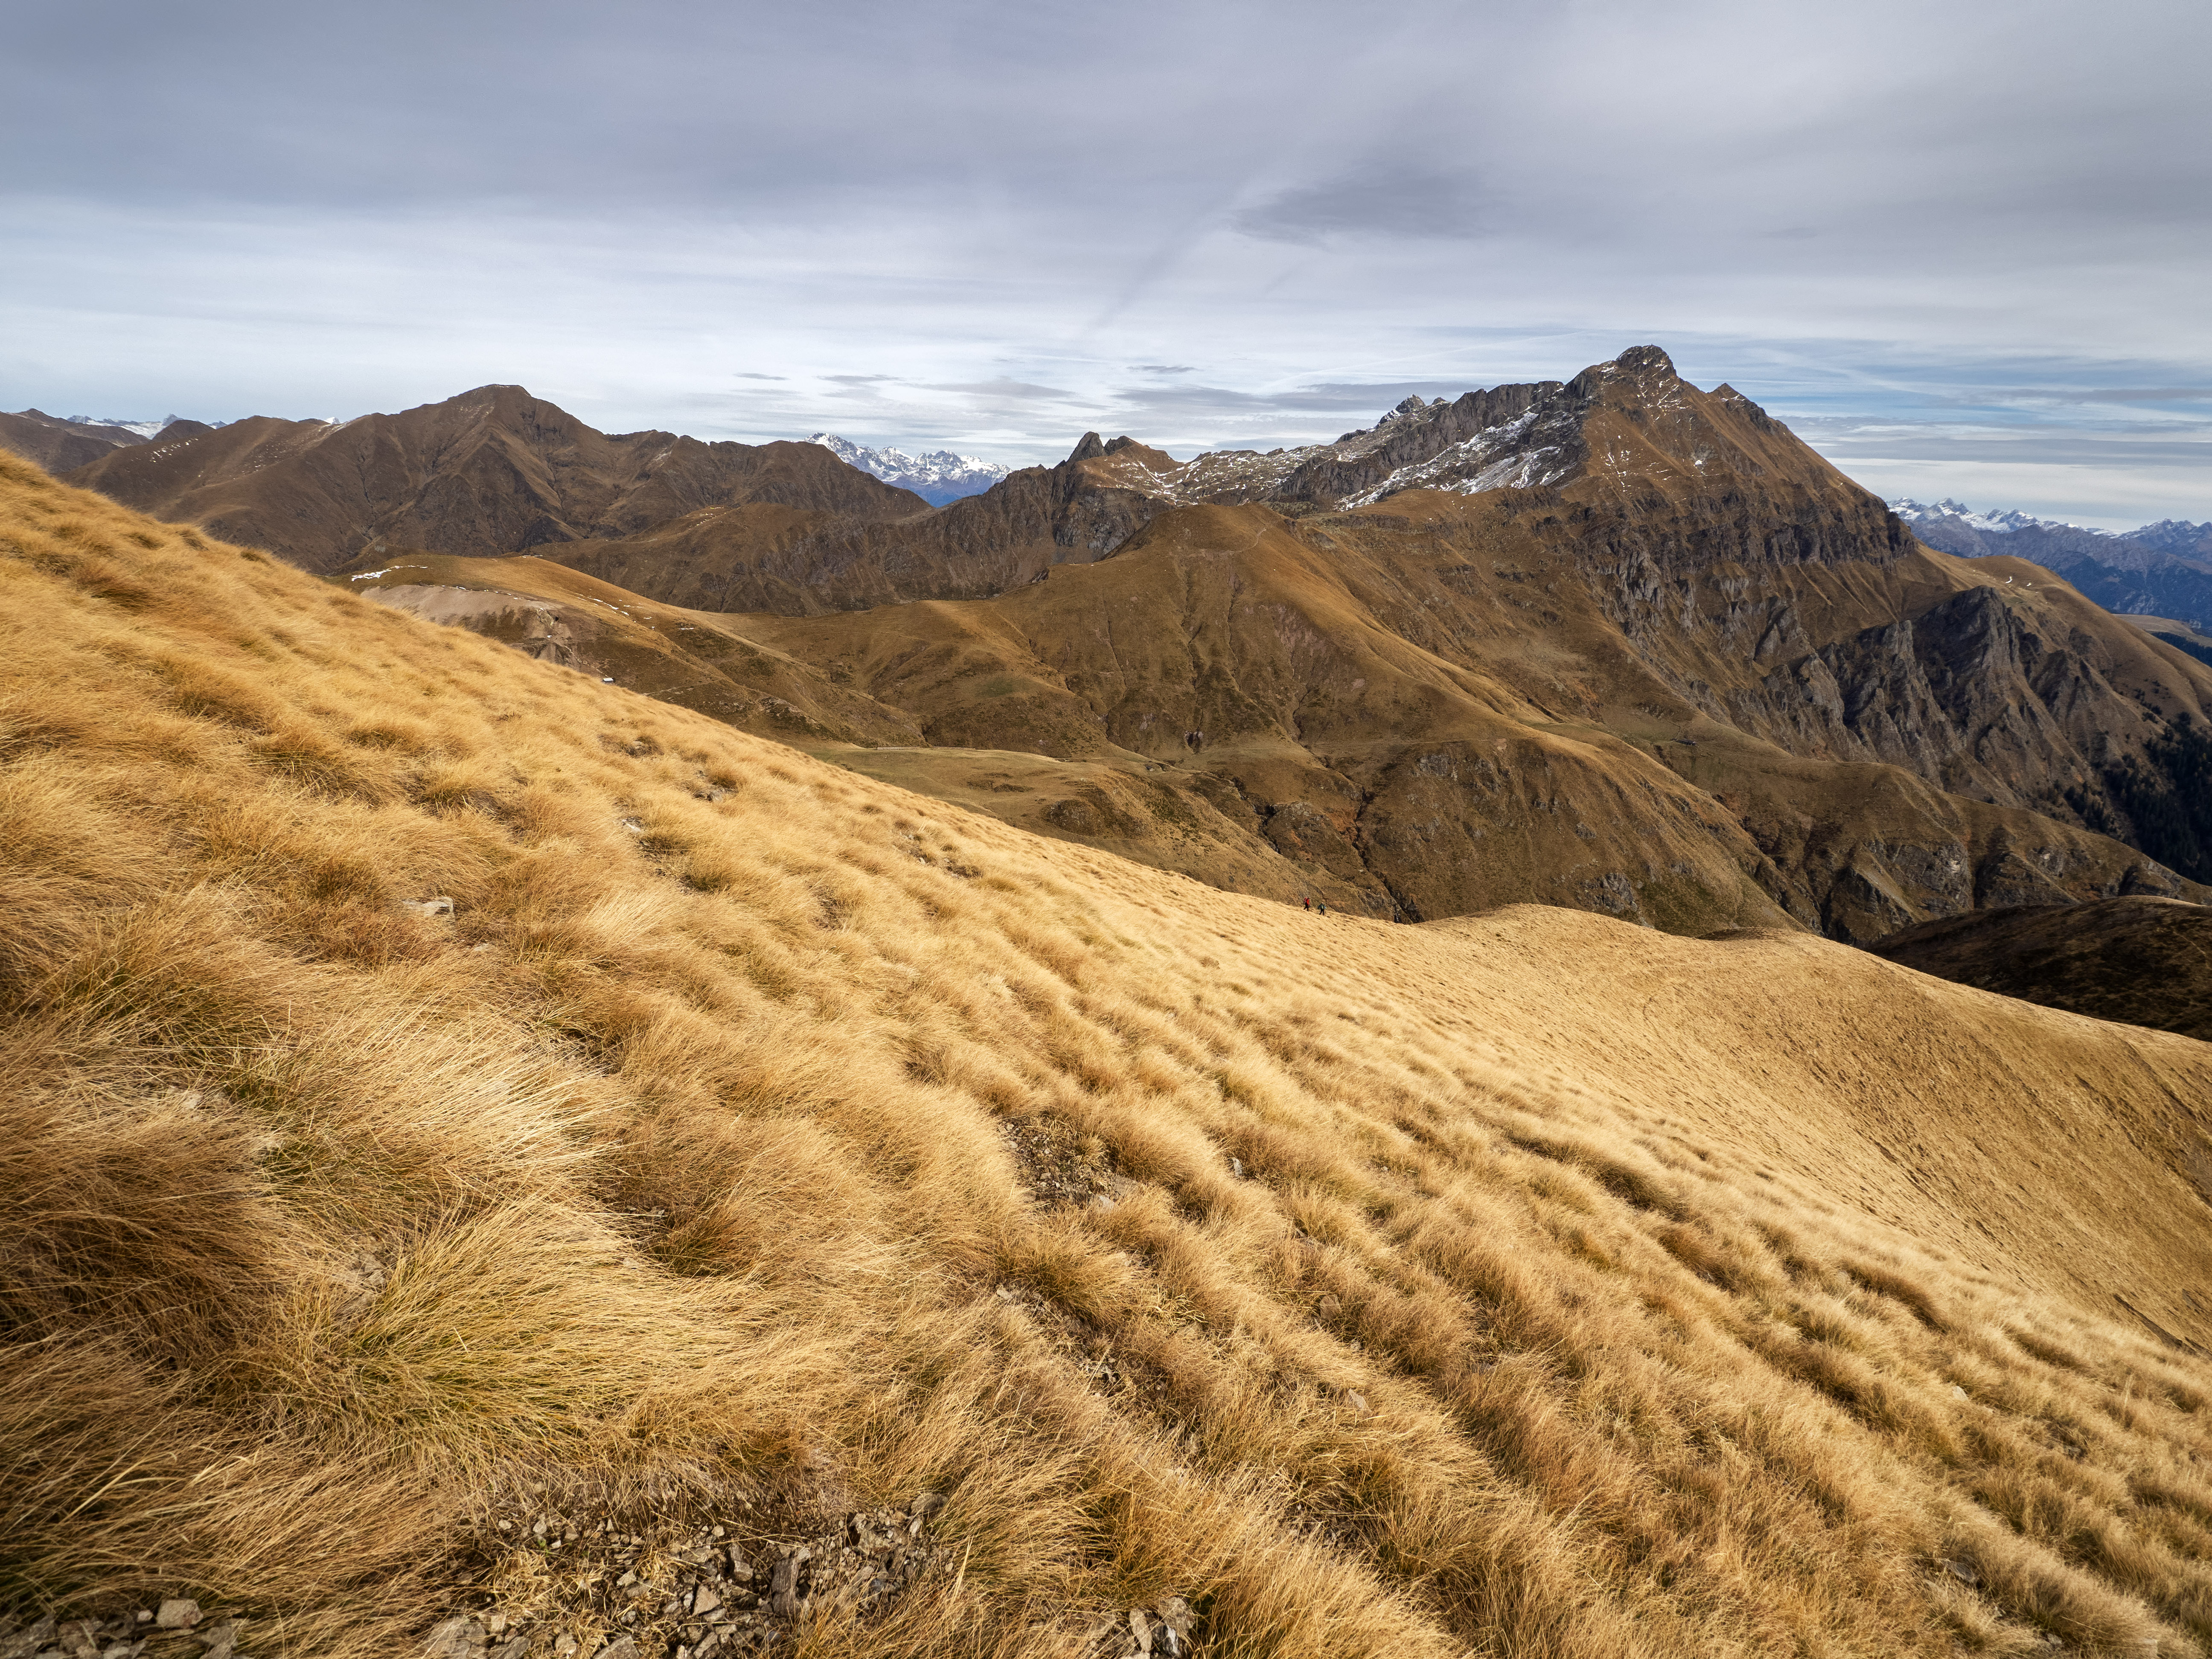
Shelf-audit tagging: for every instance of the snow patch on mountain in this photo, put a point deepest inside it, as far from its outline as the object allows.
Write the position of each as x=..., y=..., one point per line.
x=1990, y=524
x=148, y=429
x=938, y=476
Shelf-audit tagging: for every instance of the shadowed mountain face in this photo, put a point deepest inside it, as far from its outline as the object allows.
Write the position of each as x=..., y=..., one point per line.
x=2145, y=961
x=492, y=470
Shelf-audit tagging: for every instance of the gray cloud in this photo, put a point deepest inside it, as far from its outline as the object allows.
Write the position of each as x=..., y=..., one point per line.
x=1931, y=214
x=1021, y=390
x=1382, y=200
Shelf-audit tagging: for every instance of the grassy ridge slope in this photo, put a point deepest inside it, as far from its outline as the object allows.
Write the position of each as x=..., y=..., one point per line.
x=757, y=1142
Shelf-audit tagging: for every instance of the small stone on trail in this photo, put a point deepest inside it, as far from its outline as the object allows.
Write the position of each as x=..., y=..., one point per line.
x=783, y=1589
x=177, y=1613
x=461, y=1637
x=220, y=1640
x=621, y=1648
x=25, y=1643
x=704, y=1600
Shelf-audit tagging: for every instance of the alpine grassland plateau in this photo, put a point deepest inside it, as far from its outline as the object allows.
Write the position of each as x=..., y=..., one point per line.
x=457, y=1118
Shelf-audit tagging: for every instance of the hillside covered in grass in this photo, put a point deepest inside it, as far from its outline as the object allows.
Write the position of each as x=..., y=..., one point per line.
x=487, y=1155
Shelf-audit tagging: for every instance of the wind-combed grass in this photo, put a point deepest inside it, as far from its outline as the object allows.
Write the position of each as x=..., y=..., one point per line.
x=1527, y=1284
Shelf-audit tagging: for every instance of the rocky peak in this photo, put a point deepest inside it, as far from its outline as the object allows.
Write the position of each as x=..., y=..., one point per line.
x=1408, y=407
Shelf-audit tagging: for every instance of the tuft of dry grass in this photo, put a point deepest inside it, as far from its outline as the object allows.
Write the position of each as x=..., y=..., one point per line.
x=748, y=1131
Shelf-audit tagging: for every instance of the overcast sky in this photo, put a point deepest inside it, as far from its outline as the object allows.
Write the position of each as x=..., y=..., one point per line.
x=1964, y=249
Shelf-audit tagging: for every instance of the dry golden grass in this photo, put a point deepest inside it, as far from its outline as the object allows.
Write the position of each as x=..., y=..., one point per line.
x=1530, y=1284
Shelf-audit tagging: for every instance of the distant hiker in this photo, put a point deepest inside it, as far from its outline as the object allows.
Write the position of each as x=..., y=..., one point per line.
x=1324, y=907
x=1307, y=902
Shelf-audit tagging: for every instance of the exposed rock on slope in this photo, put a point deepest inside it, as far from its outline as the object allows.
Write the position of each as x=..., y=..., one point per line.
x=2146, y=961
x=492, y=470
x=693, y=659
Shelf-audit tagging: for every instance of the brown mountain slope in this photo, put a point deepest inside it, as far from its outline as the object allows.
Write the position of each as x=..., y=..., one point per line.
x=58, y=445
x=492, y=470
x=1232, y=624
x=1027, y=522
x=2146, y=961
x=1521, y=748
x=1622, y=553
x=1621, y=563
x=742, y=1144
x=1186, y=819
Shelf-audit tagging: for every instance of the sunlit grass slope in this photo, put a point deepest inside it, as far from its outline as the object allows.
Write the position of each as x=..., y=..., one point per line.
x=755, y=1134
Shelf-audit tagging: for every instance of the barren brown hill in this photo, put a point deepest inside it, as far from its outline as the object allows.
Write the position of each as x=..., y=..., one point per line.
x=58, y=445
x=494, y=1162
x=492, y=470
x=1081, y=510
x=2145, y=961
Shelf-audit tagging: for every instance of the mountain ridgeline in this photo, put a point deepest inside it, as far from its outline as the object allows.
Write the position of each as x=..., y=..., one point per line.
x=1612, y=642
x=2162, y=569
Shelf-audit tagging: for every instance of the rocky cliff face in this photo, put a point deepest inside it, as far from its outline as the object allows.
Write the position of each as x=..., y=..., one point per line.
x=492, y=470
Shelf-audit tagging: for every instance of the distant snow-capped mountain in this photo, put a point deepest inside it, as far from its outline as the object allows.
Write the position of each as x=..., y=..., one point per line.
x=1988, y=523
x=938, y=477
x=2162, y=569
x=148, y=429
